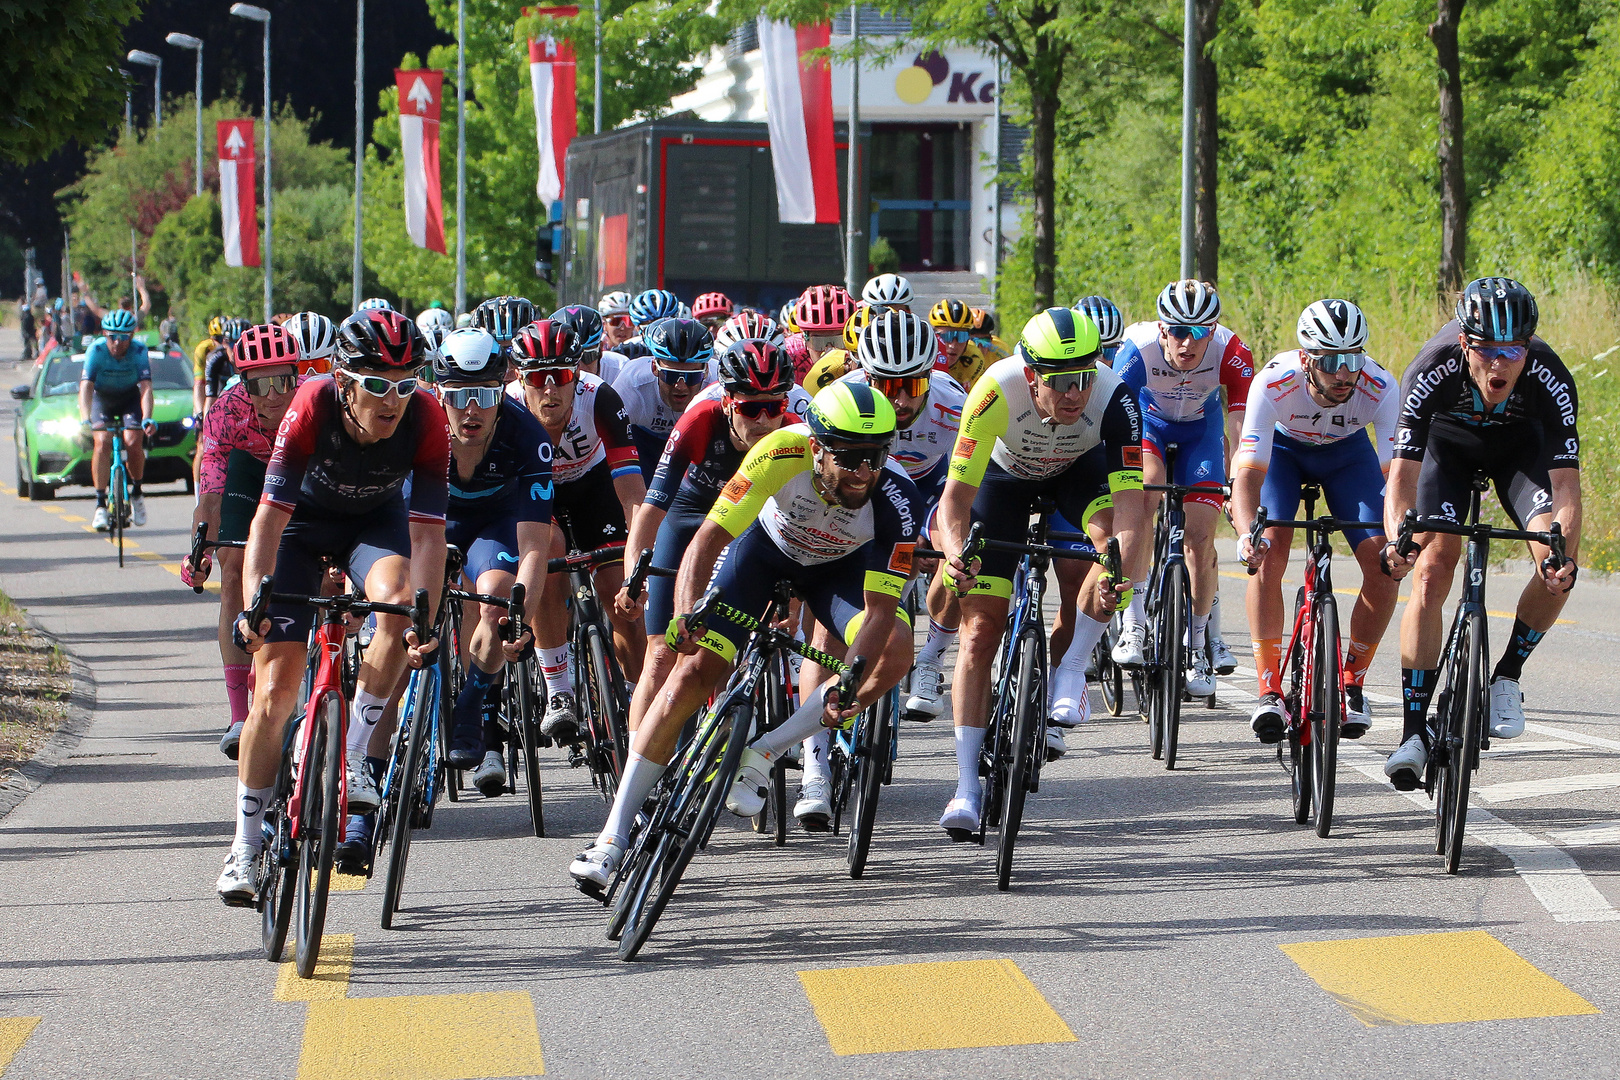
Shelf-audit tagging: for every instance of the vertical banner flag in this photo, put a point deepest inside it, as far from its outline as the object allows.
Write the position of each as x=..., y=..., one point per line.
x=419, y=94
x=237, y=194
x=556, y=120
x=798, y=99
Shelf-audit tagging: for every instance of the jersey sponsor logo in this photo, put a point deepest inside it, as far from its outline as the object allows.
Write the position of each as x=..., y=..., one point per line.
x=900, y=559
x=540, y=492
x=964, y=447
x=1131, y=456
x=736, y=488
x=502, y=556
x=786, y=452
x=983, y=407
x=545, y=451
x=1428, y=381
x=1557, y=389
x=902, y=505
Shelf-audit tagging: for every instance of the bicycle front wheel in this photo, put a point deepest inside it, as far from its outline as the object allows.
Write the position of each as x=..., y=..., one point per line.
x=871, y=754
x=412, y=783
x=1173, y=657
x=1463, y=725
x=1327, y=710
x=318, y=826
x=1029, y=709
x=1110, y=676
x=522, y=716
x=120, y=506
x=610, y=703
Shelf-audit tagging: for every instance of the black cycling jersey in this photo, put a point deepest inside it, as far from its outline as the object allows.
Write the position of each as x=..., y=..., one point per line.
x=697, y=461
x=515, y=474
x=217, y=371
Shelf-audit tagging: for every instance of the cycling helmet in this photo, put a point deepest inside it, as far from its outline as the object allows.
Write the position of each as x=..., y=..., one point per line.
x=950, y=315
x=435, y=317
x=823, y=309
x=899, y=345
x=1189, y=303
x=858, y=320
x=315, y=334
x=546, y=344
x=682, y=311
x=264, y=346
x=755, y=366
x=747, y=324
x=584, y=321
x=464, y=320
x=1060, y=339
x=712, y=305
x=468, y=356
x=376, y=303
x=1497, y=309
x=504, y=316
x=785, y=317
x=1101, y=310
x=379, y=339
x=432, y=338
x=886, y=291
x=216, y=326
x=679, y=341
x=654, y=304
x=118, y=321
x=984, y=323
x=614, y=303
x=234, y=329
x=1332, y=326
x=847, y=413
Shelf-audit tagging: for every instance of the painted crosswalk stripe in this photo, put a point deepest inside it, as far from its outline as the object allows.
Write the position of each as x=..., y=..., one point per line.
x=1434, y=979
x=1515, y=790
x=331, y=978
x=1598, y=834
x=14, y=1031
x=1501, y=749
x=428, y=1037
x=1574, y=736
x=948, y=1005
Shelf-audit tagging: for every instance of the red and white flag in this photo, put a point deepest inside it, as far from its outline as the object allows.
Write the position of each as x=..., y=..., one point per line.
x=551, y=78
x=419, y=94
x=798, y=99
x=237, y=194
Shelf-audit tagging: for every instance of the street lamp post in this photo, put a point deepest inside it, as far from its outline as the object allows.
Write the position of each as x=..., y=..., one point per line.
x=186, y=41
x=260, y=15
x=155, y=62
x=359, y=146
x=853, y=274
x=461, y=157
x=1189, y=86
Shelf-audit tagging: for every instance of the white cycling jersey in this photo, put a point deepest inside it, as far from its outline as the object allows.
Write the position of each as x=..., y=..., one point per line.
x=637, y=387
x=1280, y=402
x=597, y=431
x=927, y=441
x=611, y=366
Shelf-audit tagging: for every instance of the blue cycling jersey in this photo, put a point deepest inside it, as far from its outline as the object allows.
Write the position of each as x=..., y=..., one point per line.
x=114, y=375
x=515, y=474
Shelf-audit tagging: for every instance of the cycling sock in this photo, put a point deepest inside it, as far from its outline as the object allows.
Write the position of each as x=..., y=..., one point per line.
x=1267, y=660
x=939, y=639
x=803, y=723
x=134, y=488
x=815, y=756
x=1132, y=616
x=368, y=709
x=1358, y=657
x=640, y=775
x=492, y=694
x=1197, y=631
x=494, y=736
x=1417, y=687
x=101, y=499
x=554, y=666
x=469, y=710
x=250, y=804
x=969, y=741
x=1087, y=632
x=236, y=690
x=1519, y=648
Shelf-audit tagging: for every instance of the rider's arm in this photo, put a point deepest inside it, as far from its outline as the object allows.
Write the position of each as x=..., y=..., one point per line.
x=1386, y=418
x=264, y=539
x=698, y=564
x=534, y=545
x=613, y=426
x=1237, y=375
x=1253, y=454
x=985, y=416
x=430, y=492
x=1400, y=493
x=1121, y=429
x=147, y=402
x=87, y=389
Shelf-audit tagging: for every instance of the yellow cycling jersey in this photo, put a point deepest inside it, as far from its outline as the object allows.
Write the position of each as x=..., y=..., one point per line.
x=974, y=362
x=199, y=356
x=833, y=365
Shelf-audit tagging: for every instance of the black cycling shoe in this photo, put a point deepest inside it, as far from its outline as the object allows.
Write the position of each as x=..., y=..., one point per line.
x=1268, y=723
x=353, y=856
x=466, y=746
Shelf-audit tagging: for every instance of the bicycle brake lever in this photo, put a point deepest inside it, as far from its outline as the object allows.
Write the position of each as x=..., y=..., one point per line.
x=514, y=612
x=849, y=682
x=1255, y=532
x=420, y=616
x=637, y=580
x=198, y=539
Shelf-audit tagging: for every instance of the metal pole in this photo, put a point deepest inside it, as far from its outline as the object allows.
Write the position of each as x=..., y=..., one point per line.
x=129, y=106
x=359, y=146
x=852, y=158
x=995, y=229
x=157, y=97
x=199, y=167
x=461, y=157
x=1189, y=86
x=268, y=196
x=596, y=82
x=134, y=292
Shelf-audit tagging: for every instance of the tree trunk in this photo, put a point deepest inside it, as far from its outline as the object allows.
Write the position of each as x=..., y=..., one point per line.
x=1206, y=142
x=1042, y=149
x=1453, y=192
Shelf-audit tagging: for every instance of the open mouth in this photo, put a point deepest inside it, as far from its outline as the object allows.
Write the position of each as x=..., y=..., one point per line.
x=469, y=428
x=1498, y=384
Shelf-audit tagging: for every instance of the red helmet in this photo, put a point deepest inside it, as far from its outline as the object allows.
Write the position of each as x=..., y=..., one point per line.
x=380, y=339
x=823, y=309
x=264, y=346
x=546, y=344
x=747, y=324
x=712, y=305
x=755, y=366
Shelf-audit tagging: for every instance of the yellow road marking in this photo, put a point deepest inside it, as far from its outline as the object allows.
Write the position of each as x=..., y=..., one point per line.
x=431, y=1037
x=1434, y=979
x=934, y=1006
x=74, y=517
x=348, y=882
x=14, y=1031
x=331, y=978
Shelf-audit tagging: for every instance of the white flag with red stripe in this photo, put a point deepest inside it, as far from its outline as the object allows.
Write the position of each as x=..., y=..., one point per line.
x=419, y=94
x=556, y=119
x=237, y=192
x=798, y=99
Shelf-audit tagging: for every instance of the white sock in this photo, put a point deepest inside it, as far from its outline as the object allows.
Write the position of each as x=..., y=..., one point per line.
x=250, y=804
x=1087, y=632
x=805, y=722
x=368, y=709
x=1198, y=629
x=969, y=741
x=1215, y=617
x=640, y=775
x=554, y=666
x=939, y=639
x=815, y=756
x=1133, y=611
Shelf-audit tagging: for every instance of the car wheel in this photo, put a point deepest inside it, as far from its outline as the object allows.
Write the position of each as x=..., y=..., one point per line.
x=24, y=488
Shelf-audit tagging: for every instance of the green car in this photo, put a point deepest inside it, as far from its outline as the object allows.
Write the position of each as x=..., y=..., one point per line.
x=52, y=452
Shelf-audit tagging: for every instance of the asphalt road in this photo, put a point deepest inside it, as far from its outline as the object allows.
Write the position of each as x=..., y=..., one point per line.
x=1161, y=924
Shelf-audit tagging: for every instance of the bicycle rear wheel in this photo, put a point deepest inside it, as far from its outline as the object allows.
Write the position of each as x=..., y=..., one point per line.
x=278, y=860
x=1466, y=710
x=450, y=680
x=1327, y=710
x=412, y=784
x=1172, y=657
x=319, y=826
x=1110, y=676
x=871, y=754
x=522, y=718
x=610, y=699
x=1028, y=710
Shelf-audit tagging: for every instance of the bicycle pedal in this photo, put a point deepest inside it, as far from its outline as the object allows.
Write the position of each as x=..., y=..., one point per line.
x=1405, y=780
x=815, y=823
x=914, y=717
x=592, y=890
x=960, y=836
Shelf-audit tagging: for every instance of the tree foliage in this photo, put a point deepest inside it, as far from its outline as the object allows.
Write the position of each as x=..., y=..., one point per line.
x=59, y=68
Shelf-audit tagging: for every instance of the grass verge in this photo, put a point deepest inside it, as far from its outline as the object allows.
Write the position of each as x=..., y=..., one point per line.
x=35, y=686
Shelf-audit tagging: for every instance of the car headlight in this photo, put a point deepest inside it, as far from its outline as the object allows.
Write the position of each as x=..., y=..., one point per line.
x=188, y=422
x=63, y=427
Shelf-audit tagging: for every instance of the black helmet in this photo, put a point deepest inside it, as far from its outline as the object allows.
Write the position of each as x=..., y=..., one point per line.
x=468, y=355
x=585, y=322
x=1497, y=309
x=679, y=341
x=379, y=340
x=504, y=316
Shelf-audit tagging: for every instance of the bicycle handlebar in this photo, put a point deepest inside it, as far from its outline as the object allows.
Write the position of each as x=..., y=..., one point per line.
x=584, y=559
x=636, y=582
x=1553, y=539
x=200, y=545
x=850, y=681
x=1183, y=490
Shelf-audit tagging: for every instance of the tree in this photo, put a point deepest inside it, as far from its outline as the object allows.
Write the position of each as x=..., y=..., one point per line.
x=1206, y=166
x=60, y=70
x=1449, y=153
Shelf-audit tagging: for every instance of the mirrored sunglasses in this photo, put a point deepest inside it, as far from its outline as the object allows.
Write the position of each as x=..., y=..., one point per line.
x=380, y=387
x=553, y=376
x=675, y=376
x=1510, y=353
x=756, y=409
x=460, y=397
x=911, y=386
x=265, y=385
x=1330, y=362
x=851, y=458
x=952, y=337
x=1063, y=382
x=1182, y=333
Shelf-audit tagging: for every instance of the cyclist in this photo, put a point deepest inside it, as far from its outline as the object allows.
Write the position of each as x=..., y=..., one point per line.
x=1308, y=417
x=746, y=325
x=813, y=504
x=1484, y=395
x=233, y=450
x=616, y=325
x=503, y=317
x=116, y=389
x=1047, y=422
x=199, y=361
x=587, y=325
x=887, y=291
x=335, y=488
x=834, y=364
x=656, y=389
x=959, y=355
x=317, y=342
x=597, y=485
x=218, y=370
x=712, y=309
x=651, y=305
x=820, y=314
x=984, y=336
x=1178, y=368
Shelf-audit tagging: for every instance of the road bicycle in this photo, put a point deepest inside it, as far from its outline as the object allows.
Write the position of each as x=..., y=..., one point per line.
x=1109, y=675
x=1457, y=729
x=119, y=487
x=600, y=692
x=1313, y=680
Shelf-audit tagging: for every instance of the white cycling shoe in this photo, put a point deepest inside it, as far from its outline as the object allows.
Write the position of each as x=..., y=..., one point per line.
x=239, y=882
x=1200, y=680
x=1405, y=766
x=137, y=509
x=363, y=796
x=594, y=868
x=1128, y=649
x=1070, y=706
x=927, y=698
x=747, y=795
x=1219, y=655
x=814, y=808
x=1055, y=746
x=1507, y=709
x=960, y=819
x=101, y=521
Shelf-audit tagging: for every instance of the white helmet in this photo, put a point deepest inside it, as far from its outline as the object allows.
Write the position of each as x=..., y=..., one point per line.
x=376, y=303
x=1332, y=326
x=434, y=334
x=315, y=334
x=745, y=325
x=435, y=317
x=614, y=303
x=897, y=345
x=886, y=291
x=1189, y=302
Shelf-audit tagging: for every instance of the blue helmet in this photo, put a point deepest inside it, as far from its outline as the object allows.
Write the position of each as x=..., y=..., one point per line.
x=680, y=341
x=654, y=304
x=586, y=323
x=118, y=321
x=1110, y=323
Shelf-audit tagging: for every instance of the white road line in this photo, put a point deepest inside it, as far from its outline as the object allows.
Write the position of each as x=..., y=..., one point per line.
x=1500, y=748
x=1574, y=736
x=1376, y=699
x=1604, y=833
x=1551, y=785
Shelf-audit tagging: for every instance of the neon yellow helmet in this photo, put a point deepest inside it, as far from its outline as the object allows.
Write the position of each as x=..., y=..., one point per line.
x=853, y=326
x=1060, y=339
x=850, y=413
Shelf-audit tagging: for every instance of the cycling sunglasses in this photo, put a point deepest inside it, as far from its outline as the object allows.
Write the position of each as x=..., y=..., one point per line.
x=379, y=387
x=460, y=397
x=622, y=322
x=675, y=377
x=321, y=365
x=952, y=337
x=591, y=355
x=1062, y=382
x=551, y=376
x=1182, y=333
x=851, y=458
x=1511, y=353
x=265, y=385
x=119, y=337
x=1330, y=362
x=911, y=386
x=756, y=409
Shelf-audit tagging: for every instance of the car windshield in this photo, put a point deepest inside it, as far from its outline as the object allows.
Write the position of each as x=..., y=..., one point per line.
x=62, y=377
x=170, y=371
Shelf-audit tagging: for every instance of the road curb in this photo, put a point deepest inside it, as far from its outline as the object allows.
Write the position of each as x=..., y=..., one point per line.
x=81, y=711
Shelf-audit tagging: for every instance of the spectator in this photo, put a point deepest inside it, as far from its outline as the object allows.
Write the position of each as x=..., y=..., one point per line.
x=25, y=323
